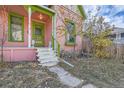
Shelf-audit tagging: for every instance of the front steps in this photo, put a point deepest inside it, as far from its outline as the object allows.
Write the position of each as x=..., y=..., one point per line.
x=47, y=57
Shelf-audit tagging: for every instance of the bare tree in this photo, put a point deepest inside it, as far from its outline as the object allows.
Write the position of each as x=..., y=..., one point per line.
x=3, y=23
x=97, y=30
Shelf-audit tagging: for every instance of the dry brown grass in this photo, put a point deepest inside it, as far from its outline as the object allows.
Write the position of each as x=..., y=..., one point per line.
x=27, y=75
x=102, y=73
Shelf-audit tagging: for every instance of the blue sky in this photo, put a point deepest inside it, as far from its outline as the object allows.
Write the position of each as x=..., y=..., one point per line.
x=112, y=13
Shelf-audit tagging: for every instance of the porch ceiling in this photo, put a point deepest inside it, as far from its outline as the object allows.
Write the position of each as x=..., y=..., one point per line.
x=42, y=9
x=44, y=17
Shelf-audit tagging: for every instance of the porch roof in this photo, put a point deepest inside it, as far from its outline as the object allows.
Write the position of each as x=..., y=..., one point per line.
x=43, y=9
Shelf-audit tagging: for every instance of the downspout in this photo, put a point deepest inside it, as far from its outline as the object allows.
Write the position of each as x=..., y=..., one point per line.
x=54, y=31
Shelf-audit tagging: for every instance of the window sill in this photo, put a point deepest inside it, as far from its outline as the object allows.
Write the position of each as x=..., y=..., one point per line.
x=15, y=41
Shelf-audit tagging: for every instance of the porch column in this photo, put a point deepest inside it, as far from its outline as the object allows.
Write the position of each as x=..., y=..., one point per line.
x=29, y=26
x=54, y=31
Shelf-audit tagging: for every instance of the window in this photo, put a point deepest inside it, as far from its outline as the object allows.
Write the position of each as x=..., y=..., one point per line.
x=112, y=37
x=70, y=34
x=37, y=31
x=122, y=35
x=16, y=27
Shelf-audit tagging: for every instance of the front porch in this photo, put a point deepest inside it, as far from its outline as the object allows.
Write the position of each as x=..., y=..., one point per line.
x=18, y=54
x=38, y=29
x=40, y=26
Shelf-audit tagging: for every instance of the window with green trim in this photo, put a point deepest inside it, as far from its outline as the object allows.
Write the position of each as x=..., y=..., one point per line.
x=70, y=32
x=16, y=27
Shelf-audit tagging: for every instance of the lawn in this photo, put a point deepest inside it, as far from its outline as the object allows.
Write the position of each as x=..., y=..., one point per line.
x=104, y=73
x=27, y=75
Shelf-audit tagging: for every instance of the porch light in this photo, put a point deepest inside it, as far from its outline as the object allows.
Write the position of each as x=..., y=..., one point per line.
x=41, y=17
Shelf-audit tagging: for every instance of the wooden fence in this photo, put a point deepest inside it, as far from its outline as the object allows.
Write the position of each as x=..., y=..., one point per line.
x=116, y=51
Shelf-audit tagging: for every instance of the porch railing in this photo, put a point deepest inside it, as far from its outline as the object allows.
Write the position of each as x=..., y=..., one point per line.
x=57, y=47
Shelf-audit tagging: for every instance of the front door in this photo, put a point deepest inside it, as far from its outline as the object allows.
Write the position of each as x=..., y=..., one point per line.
x=38, y=34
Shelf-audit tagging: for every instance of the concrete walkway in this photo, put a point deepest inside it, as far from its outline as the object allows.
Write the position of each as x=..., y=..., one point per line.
x=89, y=86
x=65, y=77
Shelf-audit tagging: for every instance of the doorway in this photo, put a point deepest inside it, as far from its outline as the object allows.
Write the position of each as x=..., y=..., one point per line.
x=38, y=34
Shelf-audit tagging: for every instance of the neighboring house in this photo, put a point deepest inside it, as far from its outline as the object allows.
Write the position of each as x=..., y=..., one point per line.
x=118, y=35
x=32, y=27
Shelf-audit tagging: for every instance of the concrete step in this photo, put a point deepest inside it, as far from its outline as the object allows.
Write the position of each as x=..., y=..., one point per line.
x=44, y=49
x=47, y=60
x=46, y=57
x=46, y=53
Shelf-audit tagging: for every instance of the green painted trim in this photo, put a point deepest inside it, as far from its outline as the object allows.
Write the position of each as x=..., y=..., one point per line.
x=52, y=42
x=41, y=25
x=58, y=46
x=82, y=12
x=58, y=49
x=42, y=10
x=67, y=42
x=9, y=27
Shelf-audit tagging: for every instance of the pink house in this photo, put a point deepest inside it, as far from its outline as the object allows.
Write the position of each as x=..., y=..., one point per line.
x=70, y=18
x=30, y=27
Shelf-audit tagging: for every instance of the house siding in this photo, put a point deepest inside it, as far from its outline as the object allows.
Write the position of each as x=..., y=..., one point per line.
x=19, y=51
x=21, y=11
x=18, y=10
x=63, y=12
